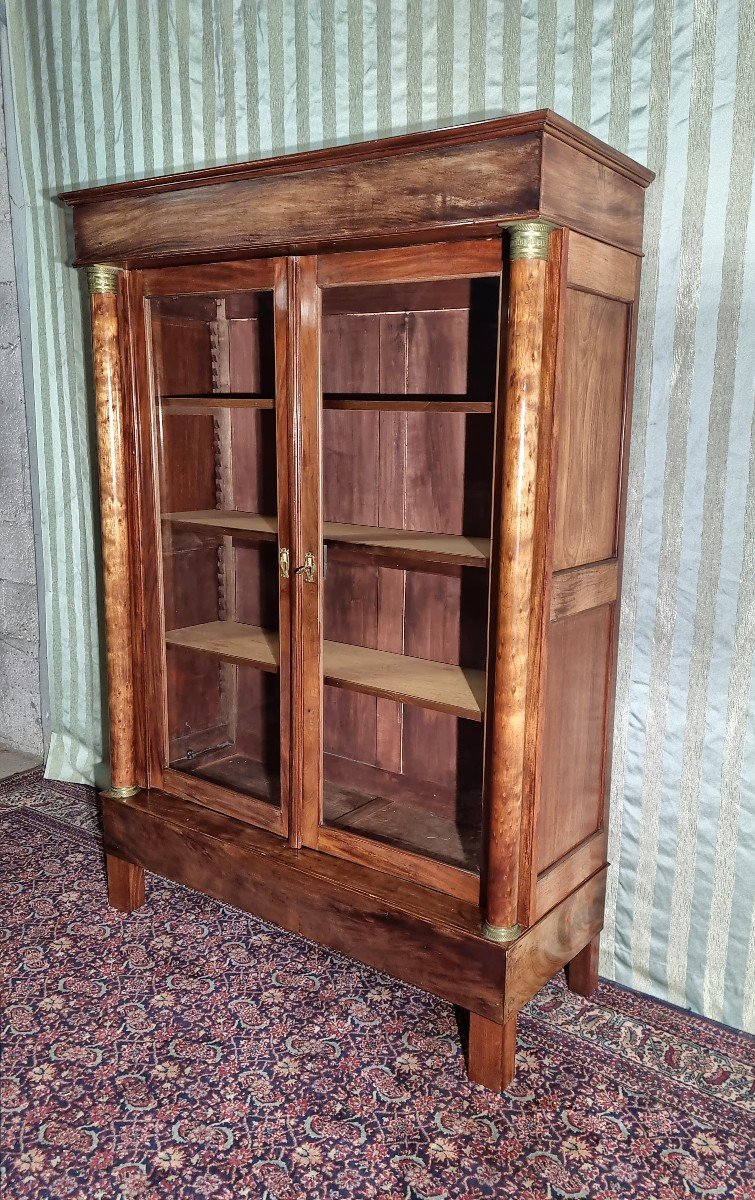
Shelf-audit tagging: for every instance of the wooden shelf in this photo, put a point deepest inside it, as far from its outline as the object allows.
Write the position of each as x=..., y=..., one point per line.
x=227, y=521
x=245, y=645
x=394, y=544
x=409, y=544
x=418, y=681
x=198, y=405
x=379, y=401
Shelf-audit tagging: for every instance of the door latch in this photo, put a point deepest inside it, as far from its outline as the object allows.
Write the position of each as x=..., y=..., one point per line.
x=285, y=562
x=309, y=567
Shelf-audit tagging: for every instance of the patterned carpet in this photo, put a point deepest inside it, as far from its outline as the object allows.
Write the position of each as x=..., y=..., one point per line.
x=191, y=1051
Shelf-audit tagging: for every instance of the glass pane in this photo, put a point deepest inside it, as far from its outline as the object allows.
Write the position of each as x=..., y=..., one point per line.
x=409, y=384
x=214, y=363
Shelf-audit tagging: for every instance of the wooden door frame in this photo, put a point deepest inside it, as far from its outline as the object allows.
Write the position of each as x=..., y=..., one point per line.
x=423, y=263
x=139, y=288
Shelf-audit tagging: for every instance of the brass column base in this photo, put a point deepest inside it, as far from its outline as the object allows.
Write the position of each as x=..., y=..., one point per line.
x=501, y=933
x=121, y=793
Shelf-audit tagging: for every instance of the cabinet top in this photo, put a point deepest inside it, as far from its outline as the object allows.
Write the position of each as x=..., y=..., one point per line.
x=429, y=185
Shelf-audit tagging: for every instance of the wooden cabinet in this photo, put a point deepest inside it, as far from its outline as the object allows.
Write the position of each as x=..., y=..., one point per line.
x=363, y=419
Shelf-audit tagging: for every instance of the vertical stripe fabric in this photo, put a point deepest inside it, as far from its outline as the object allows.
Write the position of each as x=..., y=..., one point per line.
x=110, y=89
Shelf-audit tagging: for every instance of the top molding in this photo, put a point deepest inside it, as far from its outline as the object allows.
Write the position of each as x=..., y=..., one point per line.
x=545, y=166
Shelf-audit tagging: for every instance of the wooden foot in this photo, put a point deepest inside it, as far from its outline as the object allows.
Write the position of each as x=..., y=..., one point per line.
x=582, y=971
x=125, y=884
x=492, y=1052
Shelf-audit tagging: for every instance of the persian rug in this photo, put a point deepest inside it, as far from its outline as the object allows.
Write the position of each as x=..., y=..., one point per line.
x=189, y=1050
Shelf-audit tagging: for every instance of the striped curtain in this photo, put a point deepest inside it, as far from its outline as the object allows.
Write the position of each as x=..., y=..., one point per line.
x=110, y=89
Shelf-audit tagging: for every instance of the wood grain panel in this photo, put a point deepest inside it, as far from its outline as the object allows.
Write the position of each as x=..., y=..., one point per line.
x=561, y=879
x=391, y=512
x=350, y=487
x=581, y=588
x=596, y=267
x=545, y=947
x=407, y=264
x=454, y=179
x=211, y=277
x=442, y=876
x=587, y=195
x=471, y=187
x=571, y=795
x=589, y=429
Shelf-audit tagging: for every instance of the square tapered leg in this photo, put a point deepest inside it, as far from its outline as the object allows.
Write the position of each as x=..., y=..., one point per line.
x=492, y=1052
x=125, y=884
x=582, y=971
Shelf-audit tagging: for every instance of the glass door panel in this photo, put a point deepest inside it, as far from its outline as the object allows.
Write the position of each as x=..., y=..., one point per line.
x=214, y=376
x=408, y=374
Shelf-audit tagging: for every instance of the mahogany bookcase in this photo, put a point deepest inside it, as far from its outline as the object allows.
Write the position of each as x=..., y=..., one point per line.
x=362, y=420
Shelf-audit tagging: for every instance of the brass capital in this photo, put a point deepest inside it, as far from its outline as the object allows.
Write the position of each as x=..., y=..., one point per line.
x=103, y=279
x=528, y=239
x=501, y=933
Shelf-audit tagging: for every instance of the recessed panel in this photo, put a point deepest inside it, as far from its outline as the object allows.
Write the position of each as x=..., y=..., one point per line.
x=576, y=697
x=589, y=423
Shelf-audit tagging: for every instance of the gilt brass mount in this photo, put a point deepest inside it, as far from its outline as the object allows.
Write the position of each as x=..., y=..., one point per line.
x=528, y=239
x=501, y=933
x=102, y=279
x=309, y=567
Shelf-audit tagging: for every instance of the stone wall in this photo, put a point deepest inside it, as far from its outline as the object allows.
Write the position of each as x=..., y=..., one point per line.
x=20, y=707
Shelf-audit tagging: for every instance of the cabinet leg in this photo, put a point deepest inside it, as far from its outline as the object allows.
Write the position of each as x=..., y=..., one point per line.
x=492, y=1052
x=125, y=884
x=582, y=971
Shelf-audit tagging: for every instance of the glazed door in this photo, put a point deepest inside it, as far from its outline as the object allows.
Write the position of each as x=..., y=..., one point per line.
x=216, y=415
x=397, y=440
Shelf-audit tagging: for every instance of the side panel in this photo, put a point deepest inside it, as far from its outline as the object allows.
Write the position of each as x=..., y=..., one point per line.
x=593, y=399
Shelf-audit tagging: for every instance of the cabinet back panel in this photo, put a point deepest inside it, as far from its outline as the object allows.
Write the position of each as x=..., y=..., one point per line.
x=222, y=719
x=425, y=471
x=589, y=424
x=576, y=699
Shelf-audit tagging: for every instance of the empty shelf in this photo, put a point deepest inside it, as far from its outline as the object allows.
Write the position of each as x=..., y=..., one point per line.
x=419, y=681
x=228, y=521
x=407, y=543
x=400, y=402
x=197, y=405
x=398, y=544
x=231, y=642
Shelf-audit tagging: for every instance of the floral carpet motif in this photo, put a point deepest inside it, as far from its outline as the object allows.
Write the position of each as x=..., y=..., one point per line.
x=189, y=1050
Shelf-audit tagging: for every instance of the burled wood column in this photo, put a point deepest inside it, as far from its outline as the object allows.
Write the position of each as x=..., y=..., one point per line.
x=521, y=386
x=116, y=567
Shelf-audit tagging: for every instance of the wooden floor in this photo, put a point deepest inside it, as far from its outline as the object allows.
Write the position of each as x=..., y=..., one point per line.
x=450, y=834
x=450, y=839
x=238, y=772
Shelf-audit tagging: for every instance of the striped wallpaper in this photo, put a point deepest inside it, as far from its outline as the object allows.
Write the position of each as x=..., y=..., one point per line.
x=109, y=89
